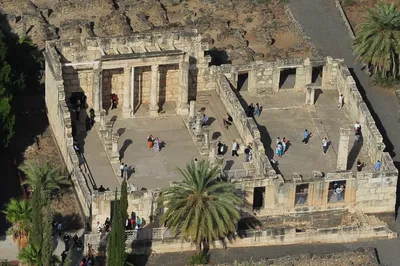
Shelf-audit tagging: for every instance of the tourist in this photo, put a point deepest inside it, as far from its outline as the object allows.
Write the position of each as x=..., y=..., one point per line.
x=279, y=149
x=204, y=120
x=340, y=101
x=156, y=145
x=278, y=139
x=250, y=110
x=378, y=165
x=150, y=141
x=357, y=126
x=227, y=121
x=359, y=165
x=196, y=162
x=99, y=227
x=247, y=153
x=83, y=101
x=138, y=222
x=257, y=110
x=83, y=262
x=338, y=192
x=133, y=215
x=64, y=255
x=107, y=224
x=91, y=117
x=126, y=170
x=121, y=168
x=284, y=145
x=76, y=147
x=59, y=228
x=220, y=148
x=306, y=136
x=114, y=100
x=357, y=134
x=101, y=189
x=235, y=148
x=89, y=262
x=324, y=145
x=127, y=223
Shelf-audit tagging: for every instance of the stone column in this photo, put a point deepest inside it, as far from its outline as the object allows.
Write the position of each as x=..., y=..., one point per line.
x=343, y=151
x=192, y=110
x=115, y=152
x=102, y=122
x=197, y=127
x=276, y=75
x=327, y=73
x=126, y=102
x=310, y=95
x=154, y=90
x=182, y=104
x=108, y=135
x=97, y=85
x=303, y=75
x=206, y=132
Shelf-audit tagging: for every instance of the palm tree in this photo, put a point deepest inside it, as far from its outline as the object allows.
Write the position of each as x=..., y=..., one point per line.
x=377, y=41
x=201, y=208
x=30, y=256
x=48, y=177
x=18, y=213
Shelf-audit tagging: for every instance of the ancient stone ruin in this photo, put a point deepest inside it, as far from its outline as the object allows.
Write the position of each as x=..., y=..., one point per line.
x=150, y=72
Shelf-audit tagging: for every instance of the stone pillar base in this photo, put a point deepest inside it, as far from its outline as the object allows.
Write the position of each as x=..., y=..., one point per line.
x=126, y=113
x=153, y=110
x=182, y=109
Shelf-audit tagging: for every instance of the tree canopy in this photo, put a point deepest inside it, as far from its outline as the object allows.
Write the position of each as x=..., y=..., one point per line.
x=202, y=207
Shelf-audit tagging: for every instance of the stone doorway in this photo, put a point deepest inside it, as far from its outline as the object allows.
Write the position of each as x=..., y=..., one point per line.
x=168, y=90
x=258, y=198
x=142, y=87
x=287, y=78
x=113, y=82
x=242, y=81
x=316, y=77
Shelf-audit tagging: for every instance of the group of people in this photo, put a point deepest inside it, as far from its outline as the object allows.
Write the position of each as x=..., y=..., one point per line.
x=253, y=110
x=133, y=222
x=153, y=143
x=281, y=146
x=221, y=149
x=87, y=262
x=124, y=169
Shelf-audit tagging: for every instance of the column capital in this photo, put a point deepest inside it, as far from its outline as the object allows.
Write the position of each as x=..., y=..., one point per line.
x=154, y=67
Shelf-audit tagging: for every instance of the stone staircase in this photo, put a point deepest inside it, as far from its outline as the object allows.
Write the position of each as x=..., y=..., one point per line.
x=211, y=100
x=370, y=220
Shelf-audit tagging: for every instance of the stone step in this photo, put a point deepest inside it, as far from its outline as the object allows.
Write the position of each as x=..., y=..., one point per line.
x=363, y=218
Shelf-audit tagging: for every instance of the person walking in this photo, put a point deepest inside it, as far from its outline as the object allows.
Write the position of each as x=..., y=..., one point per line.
x=306, y=136
x=121, y=168
x=257, y=110
x=378, y=166
x=220, y=148
x=324, y=145
x=279, y=149
x=340, y=101
x=284, y=144
x=126, y=169
x=150, y=141
x=156, y=145
x=235, y=148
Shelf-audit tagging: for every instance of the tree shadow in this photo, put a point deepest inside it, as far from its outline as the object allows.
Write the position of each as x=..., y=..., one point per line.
x=210, y=120
x=121, y=131
x=216, y=135
x=126, y=144
x=28, y=105
x=228, y=165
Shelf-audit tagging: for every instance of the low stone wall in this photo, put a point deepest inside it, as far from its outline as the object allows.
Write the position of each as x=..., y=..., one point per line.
x=154, y=242
x=60, y=122
x=246, y=126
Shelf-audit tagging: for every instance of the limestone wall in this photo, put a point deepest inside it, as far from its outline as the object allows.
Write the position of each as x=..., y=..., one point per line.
x=113, y=83
x=78, y=80
x=143, y=203
x=60, y=122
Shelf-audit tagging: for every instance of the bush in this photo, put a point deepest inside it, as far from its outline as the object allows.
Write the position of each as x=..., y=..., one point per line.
x=386, y=82
x=199, y=258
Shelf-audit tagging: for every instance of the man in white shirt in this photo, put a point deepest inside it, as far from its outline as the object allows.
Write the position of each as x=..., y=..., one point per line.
x=340, y=101
x=235, y=148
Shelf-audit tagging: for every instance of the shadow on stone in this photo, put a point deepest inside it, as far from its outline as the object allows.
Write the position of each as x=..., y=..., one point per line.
x=126, y=144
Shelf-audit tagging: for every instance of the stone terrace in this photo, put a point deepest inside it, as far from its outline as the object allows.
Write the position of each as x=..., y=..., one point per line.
x=286, y=115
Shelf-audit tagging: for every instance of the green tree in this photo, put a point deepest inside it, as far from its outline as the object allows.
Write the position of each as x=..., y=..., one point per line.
x=7, y=117
x=124, y=200
x=18, y=213
x=45, y=175
x=37, y=217
x=116, y=241
x=46, y=251
x=377, y=41
x=201, y=207
x=30, y=255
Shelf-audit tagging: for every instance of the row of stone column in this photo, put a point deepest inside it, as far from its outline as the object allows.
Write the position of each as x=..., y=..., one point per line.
x=128, y=108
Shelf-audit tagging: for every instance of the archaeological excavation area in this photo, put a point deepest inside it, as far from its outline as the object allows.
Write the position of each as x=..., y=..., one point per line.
x=165, y=83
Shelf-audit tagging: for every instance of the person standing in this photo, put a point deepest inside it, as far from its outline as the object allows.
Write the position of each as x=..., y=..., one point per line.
x=324, y=145
x=338, y=192
x=126, y=169
x=196, y=162
x=279, y=149
x=150, y=140
x=378, y=166
x=257, y=110
x=247, y=154
x=284, y=144
x=204, y=120
x=360, y=165
x=220, y=148
x=306, y=136
x=340, y=101
x=235, y=148
x=121, y=168
x=156, y=145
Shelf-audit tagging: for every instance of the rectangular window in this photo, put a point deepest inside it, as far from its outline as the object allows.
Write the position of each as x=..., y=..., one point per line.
x=301, y=195
x=336, y=191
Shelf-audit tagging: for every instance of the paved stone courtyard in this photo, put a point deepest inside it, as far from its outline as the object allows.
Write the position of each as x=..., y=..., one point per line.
x=285, y=115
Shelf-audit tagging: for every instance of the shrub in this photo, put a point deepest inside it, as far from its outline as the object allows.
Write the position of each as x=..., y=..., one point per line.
x=199, y=258
x=348, y=2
